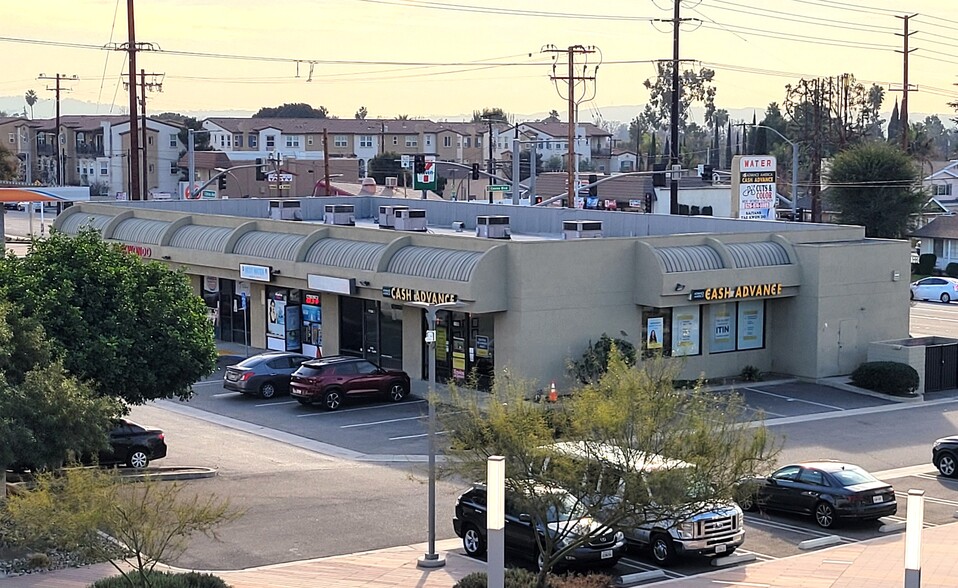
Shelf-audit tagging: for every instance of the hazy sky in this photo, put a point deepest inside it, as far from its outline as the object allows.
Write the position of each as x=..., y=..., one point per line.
x=435, y=58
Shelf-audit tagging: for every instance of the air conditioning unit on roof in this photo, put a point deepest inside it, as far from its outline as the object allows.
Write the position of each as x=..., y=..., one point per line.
x=387, y=216
x=581, y=229
x=339, y=214
x=411, y=219
x=493, y=227
x=392, y=182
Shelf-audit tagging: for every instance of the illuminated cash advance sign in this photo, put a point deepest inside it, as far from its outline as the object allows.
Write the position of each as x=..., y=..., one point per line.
x=744, y=291
x=424, y=296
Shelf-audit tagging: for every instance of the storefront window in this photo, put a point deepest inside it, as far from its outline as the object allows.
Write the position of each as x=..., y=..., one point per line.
x=686, y=337
x=657, y=323
x=751, y=324
x=224, y=303
x=283, y=320
x=722, y=335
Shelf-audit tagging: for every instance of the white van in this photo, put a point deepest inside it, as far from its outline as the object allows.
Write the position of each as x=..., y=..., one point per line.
x=710, y=529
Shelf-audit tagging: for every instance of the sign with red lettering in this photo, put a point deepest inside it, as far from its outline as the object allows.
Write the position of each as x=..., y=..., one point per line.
x=753, y=183
x=139, y=250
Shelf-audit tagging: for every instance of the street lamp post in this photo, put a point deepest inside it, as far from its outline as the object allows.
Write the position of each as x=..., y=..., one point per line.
x=431, y=559
x=794, y=166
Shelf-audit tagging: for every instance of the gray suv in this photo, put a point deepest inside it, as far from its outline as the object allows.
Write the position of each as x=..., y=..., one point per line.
x=266, y=374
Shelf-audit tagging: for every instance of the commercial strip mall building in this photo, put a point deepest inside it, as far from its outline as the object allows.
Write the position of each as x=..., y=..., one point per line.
x=790, y=298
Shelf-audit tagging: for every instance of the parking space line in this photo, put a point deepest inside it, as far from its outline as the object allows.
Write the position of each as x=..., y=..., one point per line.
x=792, y=399
x=794, y=528
x=343, y=411
x=417, y=436
x=639, y=565
x=946, y=481
x=932, y=499
x=276, y=403
x=383, y=422
x=221, y=394
x=208, y=382
x=758, y=555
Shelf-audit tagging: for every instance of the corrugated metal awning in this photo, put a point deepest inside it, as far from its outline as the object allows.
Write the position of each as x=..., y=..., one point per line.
x=269, y=244
x=73, y=223
x=692, y=258
x=201, y=237
x=140, y=230
x=761, y=254
x=436, y=263
x=345, y=253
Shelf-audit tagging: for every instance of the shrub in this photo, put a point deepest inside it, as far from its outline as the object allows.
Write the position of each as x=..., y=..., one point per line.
x=926, y=263
x=595, y=360
x=951, y=270
x=38, y=561
x=581, y=581
x=164, y=580
x=750, y=373
x=515, y=578
x=888, y=377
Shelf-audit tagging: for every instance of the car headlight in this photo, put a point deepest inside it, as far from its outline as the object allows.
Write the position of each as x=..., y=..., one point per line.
x=563, y=542
x=686, y=530
x=619, y=536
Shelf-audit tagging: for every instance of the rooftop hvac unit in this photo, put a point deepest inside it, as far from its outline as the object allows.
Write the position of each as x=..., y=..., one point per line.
x=285, y=210
x=339, y=214
x=411, y=219
x=581, y=229
x=392, y=182
x=387, y=216
x=493, y=227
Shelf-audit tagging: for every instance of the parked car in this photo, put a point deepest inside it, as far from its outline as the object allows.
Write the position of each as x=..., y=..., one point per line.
x=331, y=381
x=829, y=491
x=265, y=374
x=563, y=521
x=133, y=445
x=944, y=454
x=935, y=288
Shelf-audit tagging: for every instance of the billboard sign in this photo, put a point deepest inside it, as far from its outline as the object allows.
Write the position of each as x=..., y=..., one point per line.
x=754, y=184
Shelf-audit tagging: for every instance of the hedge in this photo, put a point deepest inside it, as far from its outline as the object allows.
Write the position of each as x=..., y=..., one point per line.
x=163, y=580
x=888, y=377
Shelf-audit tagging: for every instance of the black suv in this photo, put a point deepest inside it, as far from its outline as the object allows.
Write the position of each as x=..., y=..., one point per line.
x=520, y=531
x=944, y=454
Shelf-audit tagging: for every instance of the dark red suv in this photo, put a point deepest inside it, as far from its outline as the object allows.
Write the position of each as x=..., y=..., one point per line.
x=331, y=380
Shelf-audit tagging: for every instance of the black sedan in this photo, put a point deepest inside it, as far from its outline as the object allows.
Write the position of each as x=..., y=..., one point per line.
x=265, y=374
x=944, y=454
x=133, y=445
x=827, y=490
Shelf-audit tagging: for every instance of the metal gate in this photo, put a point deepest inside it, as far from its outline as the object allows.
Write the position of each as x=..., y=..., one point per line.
x=941, y=367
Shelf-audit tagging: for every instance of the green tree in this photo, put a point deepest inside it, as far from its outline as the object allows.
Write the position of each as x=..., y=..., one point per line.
x=388, y=164
x=876, y=185
x=154, y=520
x=695, y=87
x=9, y=168
x=554, y=164
x=636, y=413
x=292, y=110
x=31, y=98
x=361, y=113
x=132, y=328
x=495, y=114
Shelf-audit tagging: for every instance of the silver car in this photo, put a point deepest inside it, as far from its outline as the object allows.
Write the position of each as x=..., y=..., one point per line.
x=265, y=374
x=935, y=288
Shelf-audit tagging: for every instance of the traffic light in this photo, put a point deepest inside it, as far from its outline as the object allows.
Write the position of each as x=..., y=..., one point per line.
x=222, y=182
x=648, y=202
x=475, y=171
x=419, y=164
x=593, y=189
x=260, y=170
x=538, y=199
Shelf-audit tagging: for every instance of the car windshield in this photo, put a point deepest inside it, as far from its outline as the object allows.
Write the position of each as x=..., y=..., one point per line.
x=252, y=361
x=564, y=507
x=853, y=475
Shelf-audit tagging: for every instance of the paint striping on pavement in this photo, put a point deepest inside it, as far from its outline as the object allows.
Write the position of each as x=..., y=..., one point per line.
x=822, y=416
x=346, y=410
x=415, y=418
x=793, y=399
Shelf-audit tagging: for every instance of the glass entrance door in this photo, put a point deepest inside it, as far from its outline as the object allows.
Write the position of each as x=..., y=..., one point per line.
x=371, y=331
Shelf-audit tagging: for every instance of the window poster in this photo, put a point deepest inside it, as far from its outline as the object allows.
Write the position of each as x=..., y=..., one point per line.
x=722, y=328
x=293, y=326
x=685, y=330
x=276, y=316
x=751, y=321
x=655, y=332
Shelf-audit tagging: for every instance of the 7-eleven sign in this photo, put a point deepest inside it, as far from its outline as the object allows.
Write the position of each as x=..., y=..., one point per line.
x=427, y=179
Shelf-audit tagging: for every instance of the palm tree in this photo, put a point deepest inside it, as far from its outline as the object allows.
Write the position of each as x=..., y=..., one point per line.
x=31, y=98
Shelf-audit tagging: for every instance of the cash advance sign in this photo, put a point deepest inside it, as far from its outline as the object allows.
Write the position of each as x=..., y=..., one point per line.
x=754, y=183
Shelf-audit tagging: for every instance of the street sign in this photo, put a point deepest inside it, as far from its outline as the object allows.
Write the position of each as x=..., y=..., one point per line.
x=405, y=161
x=426, y=180
x=498, y=188
x=209, y=193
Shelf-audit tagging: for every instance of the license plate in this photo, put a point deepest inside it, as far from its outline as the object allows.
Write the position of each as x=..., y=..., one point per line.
x=232, y=377
x=606, y=554
x=720, y=548
x=877, y=499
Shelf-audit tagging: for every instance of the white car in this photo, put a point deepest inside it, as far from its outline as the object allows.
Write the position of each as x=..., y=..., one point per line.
x=935, y=288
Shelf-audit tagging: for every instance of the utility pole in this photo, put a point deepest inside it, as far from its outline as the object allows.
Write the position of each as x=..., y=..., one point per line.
x=154, y=84
x=572, y=80
x=326, y=160
x=905, y=87
x=134, y=131
x=56, y=138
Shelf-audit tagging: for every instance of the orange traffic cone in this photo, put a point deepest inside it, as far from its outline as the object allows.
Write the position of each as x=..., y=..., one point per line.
x=553, y=395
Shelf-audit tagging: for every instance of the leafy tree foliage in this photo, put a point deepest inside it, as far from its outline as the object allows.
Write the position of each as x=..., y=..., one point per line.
x=694, y=87
x=362, y=113
x=595, y=361
x=8, y=165
x=30, y=98
x=495, y=114
x=875, y=185
x=292, y=110
x=133, y=329
x=632, y=412
x=388, y=164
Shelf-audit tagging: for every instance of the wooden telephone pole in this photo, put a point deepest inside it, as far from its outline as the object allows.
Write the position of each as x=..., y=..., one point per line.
x=56, y=135
x=905, y=86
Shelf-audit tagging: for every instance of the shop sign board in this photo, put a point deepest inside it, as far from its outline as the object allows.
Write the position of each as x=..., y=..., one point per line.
x=743, y=291
x=138, y=250
x=257, y=273
x=754, y=184
x=427, y=179
x=424, y=296
x=330, y=284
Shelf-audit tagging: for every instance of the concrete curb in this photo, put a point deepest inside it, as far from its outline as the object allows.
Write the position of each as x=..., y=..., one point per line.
x=165, y=474
x=832, y=383
x=820, y=542
x=892, y=527
x=732, y=560
x=640, y=578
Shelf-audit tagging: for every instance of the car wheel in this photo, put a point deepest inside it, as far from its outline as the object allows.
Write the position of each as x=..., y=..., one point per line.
x=946, y=464
x=267, y=390
x=748, y=503
x=663, y=550
x=332, y=399
x=138, y=459
x=824, y=515
x=912, y=295
x=945, y=297
x=397, y=391
x=473, y=541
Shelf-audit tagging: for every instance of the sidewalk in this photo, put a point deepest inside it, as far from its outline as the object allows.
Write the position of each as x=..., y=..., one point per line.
x=878, y=563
